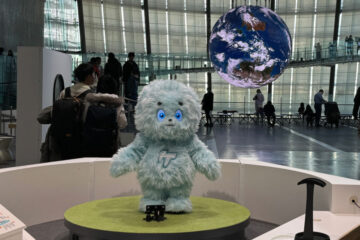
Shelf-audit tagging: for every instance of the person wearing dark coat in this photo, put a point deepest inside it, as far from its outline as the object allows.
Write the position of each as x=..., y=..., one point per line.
x=309, y=114
x=269, y=111
x=356, y=104
x=113, y=67
x=207, y=105
x=301, y=110
x=131, y=77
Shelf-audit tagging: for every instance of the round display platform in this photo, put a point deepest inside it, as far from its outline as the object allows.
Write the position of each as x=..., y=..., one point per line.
x=119, y=218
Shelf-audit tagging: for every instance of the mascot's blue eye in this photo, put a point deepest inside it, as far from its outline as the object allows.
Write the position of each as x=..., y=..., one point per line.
x=178, y=115
x=161, y=115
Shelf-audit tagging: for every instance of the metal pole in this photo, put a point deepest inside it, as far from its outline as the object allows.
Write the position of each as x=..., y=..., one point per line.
x=244, y=105
x=148, y=40
x=270, y=84
x=1, y=119
x=208, y=28
x=11, y=118
x=81, y=26
x=335, y=37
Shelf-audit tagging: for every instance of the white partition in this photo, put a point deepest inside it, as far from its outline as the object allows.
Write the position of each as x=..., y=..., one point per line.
x=39, y=193
x=42, y=192
x=36, y=71
x=272, y=194
x=106, y=186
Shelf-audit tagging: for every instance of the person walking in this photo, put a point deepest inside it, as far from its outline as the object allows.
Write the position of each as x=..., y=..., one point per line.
x=318, y=100
x=207, y=105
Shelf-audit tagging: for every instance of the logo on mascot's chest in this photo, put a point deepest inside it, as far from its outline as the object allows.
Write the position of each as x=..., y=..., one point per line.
x=166, y=157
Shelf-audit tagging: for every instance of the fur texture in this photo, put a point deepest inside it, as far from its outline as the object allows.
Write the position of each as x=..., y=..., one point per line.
x=166, y=153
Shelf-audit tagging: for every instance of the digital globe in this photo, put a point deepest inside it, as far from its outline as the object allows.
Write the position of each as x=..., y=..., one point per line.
x=250, y=46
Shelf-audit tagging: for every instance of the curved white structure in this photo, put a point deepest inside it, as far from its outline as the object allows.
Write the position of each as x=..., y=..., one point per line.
x=42, y=192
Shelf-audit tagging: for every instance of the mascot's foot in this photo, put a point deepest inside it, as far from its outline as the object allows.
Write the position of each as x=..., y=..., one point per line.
x=147, y=201
x=178, y=205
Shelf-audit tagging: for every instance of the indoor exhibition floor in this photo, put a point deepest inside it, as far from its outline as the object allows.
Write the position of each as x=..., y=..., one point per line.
x=333, y=151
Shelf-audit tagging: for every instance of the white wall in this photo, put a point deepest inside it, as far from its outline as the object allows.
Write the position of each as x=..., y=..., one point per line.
x=53, y=63
x=43, y=192
x=37, y=68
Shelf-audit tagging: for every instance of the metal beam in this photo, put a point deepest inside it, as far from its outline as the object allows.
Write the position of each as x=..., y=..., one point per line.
x=272, y=6
x=147, y=27
x=148, y=39
x=335, y=37
x=331, y=83
x=81, y=26
x=208, y=28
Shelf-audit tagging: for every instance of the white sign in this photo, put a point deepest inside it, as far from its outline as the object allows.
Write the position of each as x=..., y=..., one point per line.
x=10, y=226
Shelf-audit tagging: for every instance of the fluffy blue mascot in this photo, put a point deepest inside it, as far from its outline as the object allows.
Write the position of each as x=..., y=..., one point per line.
x=166, y=153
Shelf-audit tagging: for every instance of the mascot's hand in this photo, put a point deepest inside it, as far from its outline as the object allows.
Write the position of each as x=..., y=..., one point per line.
x=117, y=169
x=214, y=171
x=126, y=159
x=204, y=160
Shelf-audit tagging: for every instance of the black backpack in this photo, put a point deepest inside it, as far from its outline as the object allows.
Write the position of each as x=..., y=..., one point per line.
x=100, y=131
x=67, y=124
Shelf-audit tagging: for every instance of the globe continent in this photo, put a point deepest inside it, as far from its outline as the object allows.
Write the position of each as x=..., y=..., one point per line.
x=250, y=46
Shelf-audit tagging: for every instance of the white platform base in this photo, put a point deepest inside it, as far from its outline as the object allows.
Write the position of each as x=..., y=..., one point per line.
x=335, y=226
x=27, y=236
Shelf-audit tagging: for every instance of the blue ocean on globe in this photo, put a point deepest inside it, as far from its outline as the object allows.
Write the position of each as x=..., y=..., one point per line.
x=250, y=46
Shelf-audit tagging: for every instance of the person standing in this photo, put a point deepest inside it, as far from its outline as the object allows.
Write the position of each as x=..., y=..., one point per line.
x=131, y=77
x=356, y=104
x=309, y=114
x=318, y=50
x=103, y=117
x=346, y=45
x=259, y=100
x=301, y=110
x=207, y=105
x=318, y=100
x=350, y=44
x=113, y=67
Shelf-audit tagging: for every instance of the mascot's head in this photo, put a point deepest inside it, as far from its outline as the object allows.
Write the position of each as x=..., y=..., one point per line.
x=167, y=110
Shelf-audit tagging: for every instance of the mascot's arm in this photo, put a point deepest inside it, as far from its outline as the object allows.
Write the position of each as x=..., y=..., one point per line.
x=127, y=159
x=204, y=160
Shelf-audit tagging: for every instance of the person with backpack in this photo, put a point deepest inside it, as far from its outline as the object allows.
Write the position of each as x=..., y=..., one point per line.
x=66, y=119
x=85, y=76
x=103, y=118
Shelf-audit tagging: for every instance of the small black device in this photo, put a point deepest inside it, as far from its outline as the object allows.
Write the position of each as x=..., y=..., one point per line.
x=155, y=213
